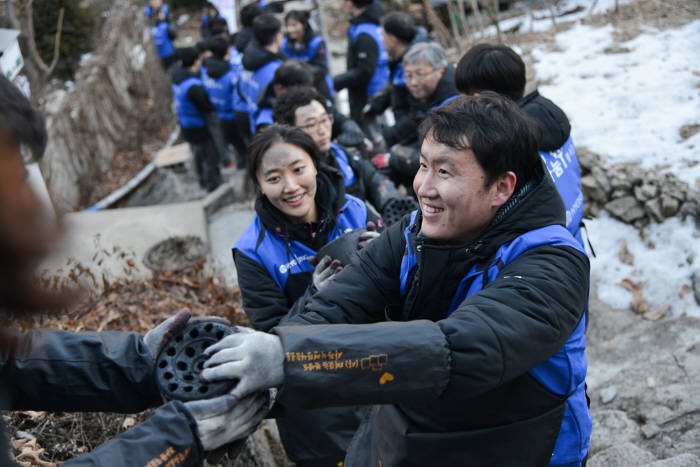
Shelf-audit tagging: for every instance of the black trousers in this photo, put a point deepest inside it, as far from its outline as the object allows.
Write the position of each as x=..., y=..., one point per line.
x=206, y=164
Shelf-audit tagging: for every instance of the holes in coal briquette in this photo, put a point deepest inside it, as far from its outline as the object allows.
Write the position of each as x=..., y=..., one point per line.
x=172, y=387
x=189, y=351
x=219, y=335
x=208, y=327
x=170, y=352
x=188, y=378
x=194, y=334
x=187, y=389
x=162, y=364
x=200, y=365
x=182, y=366
x=178, y=338
x=203, y=389
x=168, y=375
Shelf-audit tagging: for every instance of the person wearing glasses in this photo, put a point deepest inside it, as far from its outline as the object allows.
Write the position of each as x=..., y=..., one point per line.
x=305, y=108
x=301, y=206
x=430, y=81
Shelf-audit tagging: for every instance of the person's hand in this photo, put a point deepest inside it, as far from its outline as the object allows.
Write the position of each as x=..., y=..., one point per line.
x=368, y=236
x=254, y=358
x=381, y=161
x=158, y=337
x=225, y=419
x=324, y=272
x=369, y=112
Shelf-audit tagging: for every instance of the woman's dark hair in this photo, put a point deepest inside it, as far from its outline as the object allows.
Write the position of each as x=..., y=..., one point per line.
x=361, y=3
x=287, y=103
x=298, y=15
x=265, y=28
x=188, y=55
x=294, y=73
x=249, y=13
x=491, y=67
x=400, y=25
x=274, y=134
x=219, y=47
x=492, y=126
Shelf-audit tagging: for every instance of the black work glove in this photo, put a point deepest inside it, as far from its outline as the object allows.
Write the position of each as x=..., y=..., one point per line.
x=351, y=134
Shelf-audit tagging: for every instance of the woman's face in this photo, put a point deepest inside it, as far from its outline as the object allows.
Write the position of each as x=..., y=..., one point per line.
x=295, y=30
x=287, y=177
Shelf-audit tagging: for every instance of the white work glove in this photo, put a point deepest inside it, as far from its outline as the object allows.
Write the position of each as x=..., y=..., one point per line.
x=158, y=337
x=254, y=358
x=324, y=272
x=224, y=419
x=368, y=236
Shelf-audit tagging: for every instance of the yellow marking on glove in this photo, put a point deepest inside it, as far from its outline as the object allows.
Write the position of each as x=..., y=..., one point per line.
x=386, y=377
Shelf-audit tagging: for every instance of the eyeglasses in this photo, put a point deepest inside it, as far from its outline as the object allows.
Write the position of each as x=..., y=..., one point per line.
x=325, y=120
x=417, y=76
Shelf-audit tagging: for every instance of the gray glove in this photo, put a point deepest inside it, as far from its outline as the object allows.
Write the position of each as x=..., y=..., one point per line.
x=254, y=358
x=324, y=272
x=368, y=236
x=225, y=419
x=158, y=337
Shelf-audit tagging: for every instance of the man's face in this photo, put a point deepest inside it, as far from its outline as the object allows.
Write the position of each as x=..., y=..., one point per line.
x=450, y=186
x=314, y=120
x=422, y=79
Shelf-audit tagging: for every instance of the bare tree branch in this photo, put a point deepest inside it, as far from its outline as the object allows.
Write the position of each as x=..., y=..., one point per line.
x=440, y=29
x=46, y=70
x=57, y=42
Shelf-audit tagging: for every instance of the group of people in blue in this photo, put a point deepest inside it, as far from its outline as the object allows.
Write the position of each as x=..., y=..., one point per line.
x=461, y=321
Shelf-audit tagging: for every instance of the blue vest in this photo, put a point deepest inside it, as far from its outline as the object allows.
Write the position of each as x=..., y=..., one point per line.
x=149, y=11
x=187, y=114
x=220, y=93
x=250, y=84
x=164, y=46
x=398, y=79
x=307, y=55
x=564, y=373
x=344, y=164
x=281, y=261
x=566, y=173
x=235, y=58
x=262, y=117
x=381, y=73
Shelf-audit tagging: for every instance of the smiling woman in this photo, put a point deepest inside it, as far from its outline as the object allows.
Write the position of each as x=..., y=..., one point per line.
x=302, y=206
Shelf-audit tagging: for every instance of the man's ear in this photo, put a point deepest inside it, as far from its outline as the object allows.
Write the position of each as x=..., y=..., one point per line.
x=503, y=189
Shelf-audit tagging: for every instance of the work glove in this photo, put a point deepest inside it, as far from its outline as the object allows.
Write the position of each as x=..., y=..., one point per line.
x=351, y=134
x=369, y=112
x=255, y=359
x=324, y=272
x=368, y=236
x=224, y=419
x=158, y=337
x=381, y=161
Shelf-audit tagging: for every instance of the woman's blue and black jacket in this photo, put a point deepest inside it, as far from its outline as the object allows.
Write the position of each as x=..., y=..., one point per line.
x=474, y=352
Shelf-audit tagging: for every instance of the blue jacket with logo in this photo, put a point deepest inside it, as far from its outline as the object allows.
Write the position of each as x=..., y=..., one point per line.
x=219, y=80
x=188, y=114
x=274, y=274
x=474, y=353
x=161, y=39
x=312, y=51
x=558, y=152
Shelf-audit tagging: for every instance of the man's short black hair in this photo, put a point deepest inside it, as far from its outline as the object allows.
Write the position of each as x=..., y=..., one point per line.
x=20, y=121
x=187, y=56
x=294, y=73
x=491, y=67
x=249, y=13
x=492, y=126
x=400, y=25
x=218, y=27
x=219, y=47
x=287, y=103
x=265, y=29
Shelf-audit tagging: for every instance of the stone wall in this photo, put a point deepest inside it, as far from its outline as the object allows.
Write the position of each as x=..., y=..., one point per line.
x=632, y=194
x=122, y=84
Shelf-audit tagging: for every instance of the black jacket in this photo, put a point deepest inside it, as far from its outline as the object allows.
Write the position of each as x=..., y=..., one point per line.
x=242, y=39
x=550, y=118
x=216, y=68
x=361, y=61
x=109, y=371
x=256, y=56
x=455, y=389
x=370, y=184
x=199, y=97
